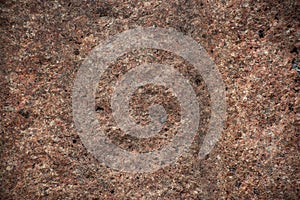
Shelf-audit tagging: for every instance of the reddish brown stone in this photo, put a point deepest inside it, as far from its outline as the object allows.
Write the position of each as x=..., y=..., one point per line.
x=252, y=43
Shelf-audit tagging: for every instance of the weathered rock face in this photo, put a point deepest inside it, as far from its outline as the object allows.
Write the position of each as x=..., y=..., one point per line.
x=252, y=43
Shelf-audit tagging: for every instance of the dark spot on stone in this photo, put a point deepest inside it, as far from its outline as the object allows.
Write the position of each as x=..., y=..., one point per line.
x=256, y=191
x=232, y=168
x=99, y=108
x=291, y=107
x=204, y=35
x=74, y=141
x=76, y=52
x=294, y=50
x=198, y=80
x=212, y=51
x=238, y=184
x=261, y=33
x=24, y=113
x=294, y=63
x=126, y=15
x=112, y=191
x=103, y=11
x=184, y=29
x=206, y=157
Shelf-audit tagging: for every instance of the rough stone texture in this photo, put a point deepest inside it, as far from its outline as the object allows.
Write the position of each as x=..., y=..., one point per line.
x=253, y=44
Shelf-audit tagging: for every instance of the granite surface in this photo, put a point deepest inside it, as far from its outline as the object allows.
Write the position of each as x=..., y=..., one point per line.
x=253, y=44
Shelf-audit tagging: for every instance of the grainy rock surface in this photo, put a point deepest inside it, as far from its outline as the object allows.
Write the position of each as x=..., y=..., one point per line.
x=252, y=43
